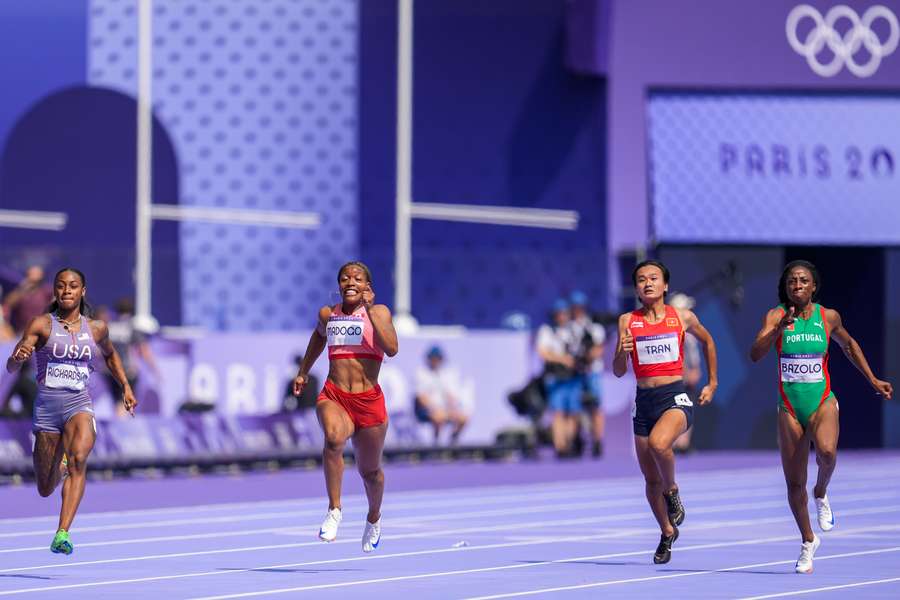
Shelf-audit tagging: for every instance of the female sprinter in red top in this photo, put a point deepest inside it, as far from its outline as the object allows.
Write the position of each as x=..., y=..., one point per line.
x=351, y=406
x=653, y=336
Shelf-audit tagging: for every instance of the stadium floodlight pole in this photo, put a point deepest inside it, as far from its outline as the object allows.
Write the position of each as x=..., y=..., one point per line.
x=403, y=238
x=144, y=220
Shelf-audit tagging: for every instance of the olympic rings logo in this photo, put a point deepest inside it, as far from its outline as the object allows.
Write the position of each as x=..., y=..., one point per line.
x=844, y=47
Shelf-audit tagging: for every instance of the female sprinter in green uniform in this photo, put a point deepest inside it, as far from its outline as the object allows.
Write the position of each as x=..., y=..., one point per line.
x=800, y=330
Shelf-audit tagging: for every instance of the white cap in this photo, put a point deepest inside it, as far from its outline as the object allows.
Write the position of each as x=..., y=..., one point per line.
x=682, y=301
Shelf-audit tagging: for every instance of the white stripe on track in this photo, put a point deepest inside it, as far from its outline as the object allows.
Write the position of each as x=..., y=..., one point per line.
x=824, y=589
x=642, y=579
x=621, y=533
x=693, y=479
x=751, y=522
x=757, y=492
x=535, y=564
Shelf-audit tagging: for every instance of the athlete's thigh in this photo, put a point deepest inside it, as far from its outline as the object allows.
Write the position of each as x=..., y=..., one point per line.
x=670, y=425
x=648, y=465
x=368, y=443
x=332, y=417
x=824, y=426
x=79, y=434
x=793, y=442
x=48, y=451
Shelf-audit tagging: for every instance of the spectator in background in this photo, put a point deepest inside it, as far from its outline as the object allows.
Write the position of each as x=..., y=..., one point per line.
x=692, y=370
x=131, y=344
x=589, y=338
x=554, y=345
x=307, y=398
x=26, y=301
x=6, y=331
x=437, y=400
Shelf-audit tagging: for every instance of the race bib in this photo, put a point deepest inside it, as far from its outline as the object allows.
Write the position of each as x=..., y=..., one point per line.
x=66, y=377
x=801, y=368
x=345, y=331
x=656, y=349
x=683, y=400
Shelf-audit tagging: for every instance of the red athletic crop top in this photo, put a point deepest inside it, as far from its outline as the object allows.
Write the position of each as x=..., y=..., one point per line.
x=658, y=347
x=351, y=336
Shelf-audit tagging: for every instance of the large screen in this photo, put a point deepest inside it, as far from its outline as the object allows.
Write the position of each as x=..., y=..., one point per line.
x=774, y=168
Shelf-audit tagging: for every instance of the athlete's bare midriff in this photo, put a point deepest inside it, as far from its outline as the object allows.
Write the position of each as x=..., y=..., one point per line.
x=657, y=381
x=354, y=375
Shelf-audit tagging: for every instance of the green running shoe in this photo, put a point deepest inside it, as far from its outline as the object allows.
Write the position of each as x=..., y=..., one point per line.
x=61, y=543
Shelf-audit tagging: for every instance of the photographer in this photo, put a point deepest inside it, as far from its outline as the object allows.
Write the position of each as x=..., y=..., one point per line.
x=555, y=344
x=589, y=339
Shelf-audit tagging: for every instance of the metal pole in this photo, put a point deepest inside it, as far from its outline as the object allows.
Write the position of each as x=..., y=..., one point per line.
x=403, y=241
x=144, y=220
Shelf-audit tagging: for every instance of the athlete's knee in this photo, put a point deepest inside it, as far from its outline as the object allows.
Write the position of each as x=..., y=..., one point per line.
x=826, y=455
x=795, y=487
x=334, y=438
x=372, y=476
x=77, y=462
x=45, y=488
x=659, y=445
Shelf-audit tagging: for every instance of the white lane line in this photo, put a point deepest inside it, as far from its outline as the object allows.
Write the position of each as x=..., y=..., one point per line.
x=654, y=578
x=606, y=535
x=621, y=533
x=537, y=564
x=752, y=522
x=600, y=485
x=480, y=501
x=824, y=589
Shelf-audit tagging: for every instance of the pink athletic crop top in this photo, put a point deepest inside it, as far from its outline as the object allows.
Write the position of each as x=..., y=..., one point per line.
x=351, y=336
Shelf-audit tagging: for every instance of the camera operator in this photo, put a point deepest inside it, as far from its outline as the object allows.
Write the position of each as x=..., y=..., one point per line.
x=589, y=338
x=555, y=344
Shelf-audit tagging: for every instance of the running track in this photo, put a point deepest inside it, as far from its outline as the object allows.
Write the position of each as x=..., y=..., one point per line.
x=536, y=530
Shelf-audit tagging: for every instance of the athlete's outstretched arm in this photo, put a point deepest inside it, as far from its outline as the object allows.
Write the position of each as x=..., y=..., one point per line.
x=774, y=324
x=37, y=328
x=693, y=326
x=854, y=353
x=114, y=363
x=313, y=349
x=624, y=346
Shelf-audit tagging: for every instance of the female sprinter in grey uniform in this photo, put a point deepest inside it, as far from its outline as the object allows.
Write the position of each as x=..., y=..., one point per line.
x=64, y=342
x=653, y=337
x=351, y=406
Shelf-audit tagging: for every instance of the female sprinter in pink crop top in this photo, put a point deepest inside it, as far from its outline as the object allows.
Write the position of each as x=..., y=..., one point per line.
x=653, y=338
x=351, y=406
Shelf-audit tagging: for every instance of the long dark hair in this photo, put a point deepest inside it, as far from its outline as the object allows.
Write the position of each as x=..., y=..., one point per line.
x=83, y=307
x=782, y=282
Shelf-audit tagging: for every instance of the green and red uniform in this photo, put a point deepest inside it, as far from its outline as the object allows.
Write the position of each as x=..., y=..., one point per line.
x=804, y=383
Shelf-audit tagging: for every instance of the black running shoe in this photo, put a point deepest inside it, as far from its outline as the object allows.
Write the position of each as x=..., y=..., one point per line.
x=674, y=507
x=664, y=550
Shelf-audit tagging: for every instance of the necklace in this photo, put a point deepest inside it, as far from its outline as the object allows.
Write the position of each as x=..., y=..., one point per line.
x=66, y=324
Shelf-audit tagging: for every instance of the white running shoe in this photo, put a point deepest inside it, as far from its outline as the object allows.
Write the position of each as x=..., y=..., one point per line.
x=371, y=536
x=328, y=530
x=826, y=517
x=807, y=551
